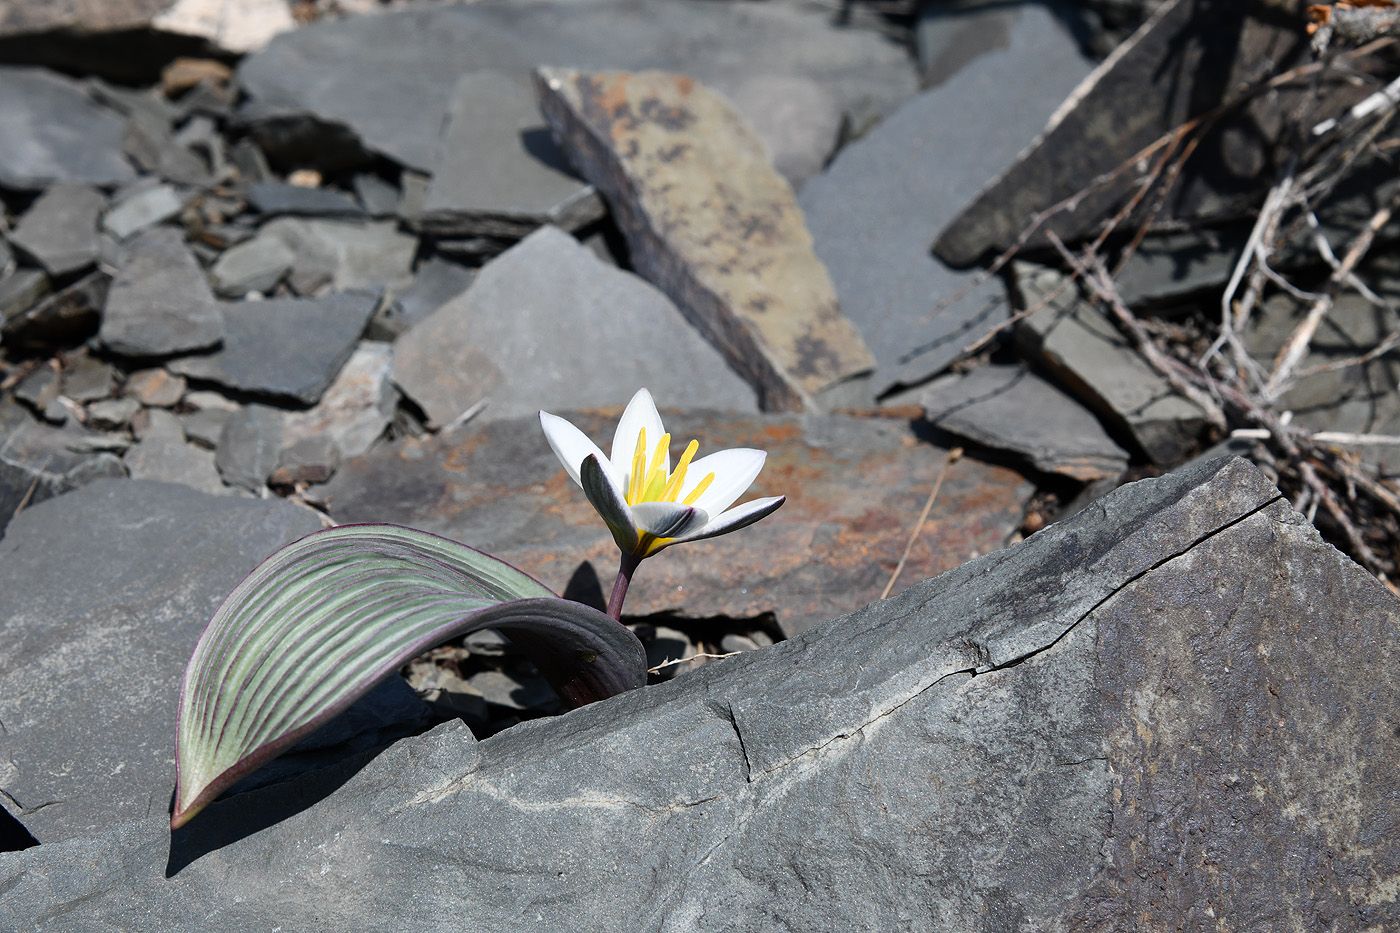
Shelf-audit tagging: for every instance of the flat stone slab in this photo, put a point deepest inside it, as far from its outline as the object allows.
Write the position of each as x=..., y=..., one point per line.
x=51, y=130
x=104, y=592
x=283, y=349
x=160, y=303
x=710, y=221
x=60, y=229
x=878, y=206
x=356, y=409
x=336, y=70
x=1055, y=708
x=1008, y=408
x=855, y=487
x=1183, y=63
x=548, y=325
x=1080, y=347
x=498, y=171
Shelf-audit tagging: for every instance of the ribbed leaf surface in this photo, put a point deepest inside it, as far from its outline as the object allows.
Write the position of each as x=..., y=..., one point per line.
x=323, y=620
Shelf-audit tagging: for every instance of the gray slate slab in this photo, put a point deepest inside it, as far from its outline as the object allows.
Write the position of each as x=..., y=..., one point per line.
x=877, y=207
x=160, y=303
x=498, y=171
x=276, y=197
x=343, y=254
x=142, y=209
x=104, y=593
x=389, y=78
x=549, y=325
x=51, y=130
x=60, y=229
x=37, y=461
x=165, y=454
x=285, y=349
x=1077, y=343
x=66, y=316
x=255, y=265
x=250, y=446
x=356, y=409
x=1008, y=408
x=1080, y=780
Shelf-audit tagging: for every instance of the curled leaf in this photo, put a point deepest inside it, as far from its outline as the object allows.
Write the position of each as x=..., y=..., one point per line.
x=323, y=620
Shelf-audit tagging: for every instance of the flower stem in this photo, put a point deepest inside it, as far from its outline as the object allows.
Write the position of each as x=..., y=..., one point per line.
x=626, y=567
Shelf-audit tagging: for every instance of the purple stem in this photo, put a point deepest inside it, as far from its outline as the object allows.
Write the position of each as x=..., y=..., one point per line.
x=626, y=567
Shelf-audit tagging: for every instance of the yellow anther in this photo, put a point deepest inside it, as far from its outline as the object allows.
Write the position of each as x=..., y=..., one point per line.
x=673, y=487
x=656, y=474
x=699, y=488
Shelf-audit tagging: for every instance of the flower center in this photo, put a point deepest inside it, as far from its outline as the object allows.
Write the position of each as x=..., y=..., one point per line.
x=651, y=483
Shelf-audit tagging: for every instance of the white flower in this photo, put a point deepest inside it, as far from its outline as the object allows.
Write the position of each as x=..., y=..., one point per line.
x=647, y=505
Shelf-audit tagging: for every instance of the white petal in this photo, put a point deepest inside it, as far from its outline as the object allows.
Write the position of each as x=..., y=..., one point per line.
x=668, y=519
x=735, y=470
x=640, y=413
x=736, y=518
x=604, y=496
x=569, y=444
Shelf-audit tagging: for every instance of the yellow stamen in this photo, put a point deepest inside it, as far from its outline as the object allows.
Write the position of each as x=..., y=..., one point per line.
x=639, y=465
x=656, y=474
x=673, y=487
x=699, y=488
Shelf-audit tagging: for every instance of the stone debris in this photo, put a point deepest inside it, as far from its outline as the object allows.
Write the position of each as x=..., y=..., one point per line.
x=711, y=223
x=60, y=230
x=51, y=131
x=160, y=303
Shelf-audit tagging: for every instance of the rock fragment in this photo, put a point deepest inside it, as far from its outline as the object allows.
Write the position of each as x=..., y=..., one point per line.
x=50, y=131
x=547, y=325
x=250, y=446
x=283, y=349
x=498, y=172
x=141, y=209
x=160, y=303
x=162, y=454
x=60, y=230
x=712, y=224
x=1007, y=408
x=1079, y=345
x=356, y=409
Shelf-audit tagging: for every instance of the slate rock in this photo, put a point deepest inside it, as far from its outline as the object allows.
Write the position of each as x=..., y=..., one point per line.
x=204, y=427
x=164, y=456
x=548, y=325
x=332, y=74
x=1170, y=732
x=710, y=222
x=309, y=460
x=112, y=414
x=142, y=209
x=356, y=409
x=798, y=119
x=1173, y=269
x=343, y=255
x=86, y=378
x=69, y=315
x=855, y=487
x=38, y=462
x=498, y=171
x=96, y=657
x=277, y=197
x=19, y=290
x=876, y=208
x=59, y=231
x=158, y=388
x=1076, y=343
x=1008, y=408
x=160, y=303
x=150, y=142
x=435, y=282
x=287, y=349
x=1186, y=61
x=250, y=446
x=255, y=265
x=50, y=131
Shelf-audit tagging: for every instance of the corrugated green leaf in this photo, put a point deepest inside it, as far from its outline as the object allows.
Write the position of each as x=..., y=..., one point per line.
x=323, y=620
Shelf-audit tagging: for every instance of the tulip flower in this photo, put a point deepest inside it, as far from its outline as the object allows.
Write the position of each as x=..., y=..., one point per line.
x=647, y=505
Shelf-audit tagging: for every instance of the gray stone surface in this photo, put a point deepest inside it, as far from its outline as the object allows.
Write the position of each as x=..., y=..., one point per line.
x=160, y=303
x=435, y=282
x=1008, y=408
x=38, y=462
x=164, y=455
x=356, y=409
x=342, y=255
x=548, y=325
x=142, y=209
x=287, y=349
x=277, y=197
x=1141, y=718
x=60, y=229
x=250, y=446
x=50, y=130
x=877, y=207
x=498, y=171
x=797, y=118
x=389, y=78
x=104, y=593
x=712, y=224
x=1077, y=343
x=255, y=265
x=66, y=316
